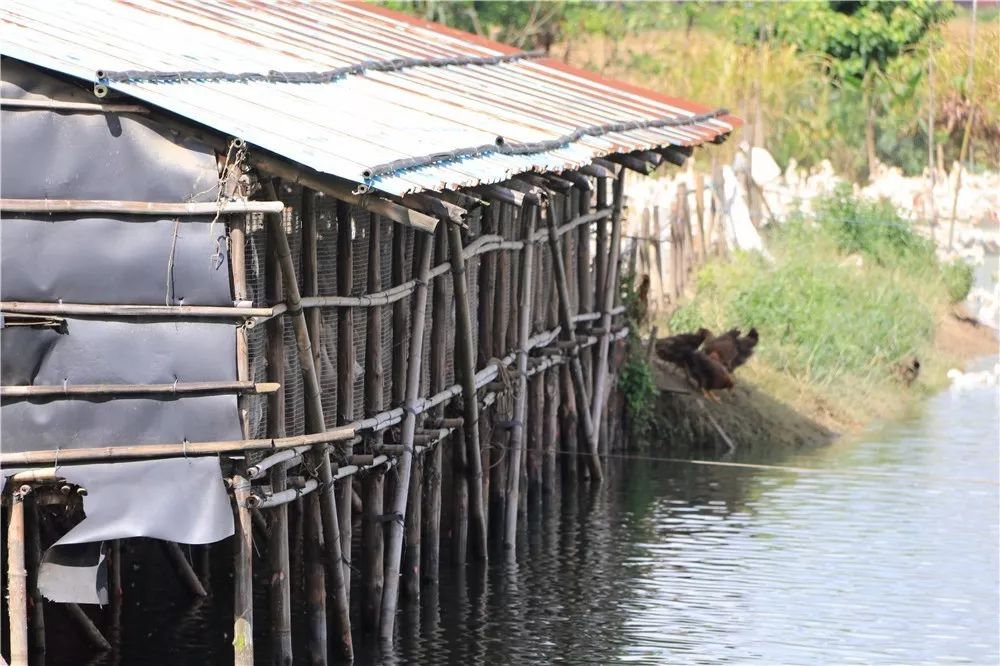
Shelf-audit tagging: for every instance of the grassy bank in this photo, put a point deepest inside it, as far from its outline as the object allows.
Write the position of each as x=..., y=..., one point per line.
x=851, y=296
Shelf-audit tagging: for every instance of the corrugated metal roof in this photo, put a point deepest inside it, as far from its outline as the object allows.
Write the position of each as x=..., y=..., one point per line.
x=346, y=126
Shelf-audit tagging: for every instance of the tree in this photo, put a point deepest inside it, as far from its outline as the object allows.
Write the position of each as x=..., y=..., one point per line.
x=860, y=39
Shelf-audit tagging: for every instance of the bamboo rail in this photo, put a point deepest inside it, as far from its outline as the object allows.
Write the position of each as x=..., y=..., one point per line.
x=83, y=390
x=138, y=207
x=94, y=310
x=55, y=105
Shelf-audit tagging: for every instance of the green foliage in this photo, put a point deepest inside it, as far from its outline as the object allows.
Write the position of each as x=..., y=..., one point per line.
x=852, y=291
x=636, y=377
x=958, y=277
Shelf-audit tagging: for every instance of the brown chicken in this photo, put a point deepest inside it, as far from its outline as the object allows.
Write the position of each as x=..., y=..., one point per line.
x=707, y=372
x=723, y=347
x=676, y=347
x=744, y=348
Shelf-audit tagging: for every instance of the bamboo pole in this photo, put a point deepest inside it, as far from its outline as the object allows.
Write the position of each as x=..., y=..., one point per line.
x=87, y=626
x=17, y=580
x=280, y=592
x=92, y=390
x=656, y=262
x=104, y=310
x=238, y=275
x=465, y=368
x=529, y=215
x=501, y=323
x=372, y=487
x=460, y=490
x=345, y=371
x=390, y=593
x=584, y=276
x=487, y=346
x=315, y=584
x=184, y=569
x=699, y=203
x=138, y=207
x=54, y=105
x=410, y=565
x=372, y=536
x=575, y=370
x=399, y=318
x=243, y=576
x=34, y=556
x=127, y=451
x=310, y=269
x=610, y=288
x=430, y=545
x=314, y=414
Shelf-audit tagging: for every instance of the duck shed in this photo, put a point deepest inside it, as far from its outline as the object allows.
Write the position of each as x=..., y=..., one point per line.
x=273, y=272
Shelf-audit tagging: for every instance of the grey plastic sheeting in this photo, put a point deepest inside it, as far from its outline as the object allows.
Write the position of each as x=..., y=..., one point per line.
x=189, y=505
x=129, y=260
x=74, y=424
x=118, y=352
x=109, y=259
x=94, y=155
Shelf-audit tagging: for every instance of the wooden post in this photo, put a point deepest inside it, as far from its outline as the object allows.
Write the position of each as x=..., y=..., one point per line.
x=242, y=575
x=17, y=580
x=34, y=556
x=684, y=211
x=319, y=458
x=550, y=430
x=410, y=567
x=315, y=583
x=431, y=512
x=460, y=490
x=280, y=593
x=575, y=369
x=501, y=320
x=527, y=263
x=699, y=203
x=345, y=371
x=487, y=347
x=394, y=550
x=610, y=289
x=310, y=269
x=465, y=370
x=657, y=290
x=372, y=486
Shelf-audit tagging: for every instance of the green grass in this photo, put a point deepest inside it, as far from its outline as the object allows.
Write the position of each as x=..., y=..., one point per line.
x=852, y=292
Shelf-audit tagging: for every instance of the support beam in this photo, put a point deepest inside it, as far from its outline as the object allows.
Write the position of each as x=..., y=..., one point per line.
x=465, y=368
x=315, y=575
x=242, y=575
x=320, y=459
x=575, y=368
x=17, y=580
x=394, y=550
x=184, y=569
x=610, y=289
x=529, y=214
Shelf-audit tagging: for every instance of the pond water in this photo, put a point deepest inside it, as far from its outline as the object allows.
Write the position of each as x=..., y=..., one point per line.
x=879, y=549
x=884, y=549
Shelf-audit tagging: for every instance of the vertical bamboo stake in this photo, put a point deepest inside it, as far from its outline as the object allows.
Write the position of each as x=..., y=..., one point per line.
x=310, y=268
x=319, y=458
x=699, y=203
x=487, y=314
x=372, y=483
x=466, y=370
x=610, y=288
x=17, y=580
x=657, y=261
x=430, y=546
x=315, y=584
x=243, y=575
x=34, y=556
x=345, y=371
x=238, y=268
x=498, y=467
x=527, y=263
x=280, y=593
x=277, y=547
x=460, y=488
x=575, y=370
x=684, y=209
x=584, y=276
x=390, y=593
x=410, y=567
x=399, y=329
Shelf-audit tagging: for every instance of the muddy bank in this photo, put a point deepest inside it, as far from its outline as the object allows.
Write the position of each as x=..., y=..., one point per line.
x=755, y=421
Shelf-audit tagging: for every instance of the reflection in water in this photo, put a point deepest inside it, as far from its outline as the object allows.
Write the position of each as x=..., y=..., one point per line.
x=680, y=563
x=887, y=554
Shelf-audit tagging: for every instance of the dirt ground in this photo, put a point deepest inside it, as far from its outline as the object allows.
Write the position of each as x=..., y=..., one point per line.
x=751, y=420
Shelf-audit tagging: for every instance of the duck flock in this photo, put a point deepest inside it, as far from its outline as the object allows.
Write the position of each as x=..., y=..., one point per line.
x=708, y=360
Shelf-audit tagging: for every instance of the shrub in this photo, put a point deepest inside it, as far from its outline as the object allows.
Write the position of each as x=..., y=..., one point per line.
x=958, y=277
